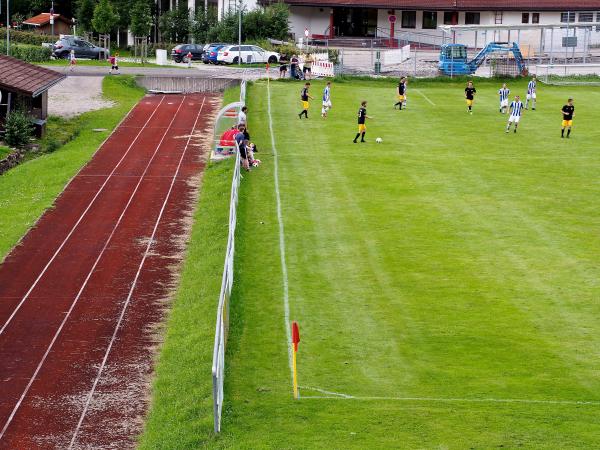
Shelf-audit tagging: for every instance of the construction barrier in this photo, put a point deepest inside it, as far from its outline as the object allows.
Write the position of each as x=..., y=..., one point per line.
x=391, y=57
x=322, y=69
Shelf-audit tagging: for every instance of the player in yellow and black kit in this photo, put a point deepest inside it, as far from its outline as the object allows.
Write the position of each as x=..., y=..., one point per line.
x=362, y=117
x=568, y=112
x=470, y=96
x=304, y=96
x=400, y=92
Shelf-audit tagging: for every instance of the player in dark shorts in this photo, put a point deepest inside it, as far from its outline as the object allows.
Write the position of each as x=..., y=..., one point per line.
x=568, y=112
x=304, y=96
x=362, y=117
x=400, y=91
x=470, y=96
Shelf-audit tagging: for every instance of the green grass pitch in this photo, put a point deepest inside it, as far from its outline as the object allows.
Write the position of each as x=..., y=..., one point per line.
x=446, y=281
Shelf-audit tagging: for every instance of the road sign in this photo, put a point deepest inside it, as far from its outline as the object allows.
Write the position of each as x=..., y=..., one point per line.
x=392, y=18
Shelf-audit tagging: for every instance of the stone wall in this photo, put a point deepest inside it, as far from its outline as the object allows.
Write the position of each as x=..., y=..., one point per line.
x=12, y=160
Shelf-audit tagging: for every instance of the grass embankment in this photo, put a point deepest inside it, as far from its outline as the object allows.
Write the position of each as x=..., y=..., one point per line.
x=445, y=281
x=4, y=151
x=181, y=410
x=27, y=190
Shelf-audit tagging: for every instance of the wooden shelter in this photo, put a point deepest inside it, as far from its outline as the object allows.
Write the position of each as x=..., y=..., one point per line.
x=25, y=86
x=41, y=24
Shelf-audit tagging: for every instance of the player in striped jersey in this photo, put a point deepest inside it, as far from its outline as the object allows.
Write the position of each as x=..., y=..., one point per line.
x=326, y=100
x=531, y=95
x=516, y=109
x=503, y=92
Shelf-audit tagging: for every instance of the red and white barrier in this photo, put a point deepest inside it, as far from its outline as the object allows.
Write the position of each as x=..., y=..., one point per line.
x=322, y=69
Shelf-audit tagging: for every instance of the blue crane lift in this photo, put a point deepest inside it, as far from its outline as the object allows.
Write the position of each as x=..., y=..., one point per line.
x=453, y=57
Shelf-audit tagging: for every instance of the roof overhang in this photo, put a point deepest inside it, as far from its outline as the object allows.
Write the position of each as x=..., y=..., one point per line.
x=537, y=26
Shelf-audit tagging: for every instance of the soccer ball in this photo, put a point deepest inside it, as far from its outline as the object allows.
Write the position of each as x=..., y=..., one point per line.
x=379, y=140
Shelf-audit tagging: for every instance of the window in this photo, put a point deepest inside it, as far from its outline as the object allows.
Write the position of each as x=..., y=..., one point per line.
x=525, y=18
x=586, y=16
x=451, y=18
x=598, y=20
x=429, y=20
x=535, y=17
x=409, y=19
x=498, y=17
x=567, y=17
x=472, y=18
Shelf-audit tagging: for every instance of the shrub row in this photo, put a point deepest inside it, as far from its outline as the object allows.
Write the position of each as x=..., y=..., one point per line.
x=27, y=37
x=29, y=53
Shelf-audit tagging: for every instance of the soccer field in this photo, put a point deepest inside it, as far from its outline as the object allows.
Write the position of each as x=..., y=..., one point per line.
x=446, y=281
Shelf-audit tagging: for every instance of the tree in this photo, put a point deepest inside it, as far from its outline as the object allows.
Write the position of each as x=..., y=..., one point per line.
x=105, y=18
x=141, y=18
x=167, y=27
x=175, y=25
x=181, y=21
x=205, y=20
x=85, y=12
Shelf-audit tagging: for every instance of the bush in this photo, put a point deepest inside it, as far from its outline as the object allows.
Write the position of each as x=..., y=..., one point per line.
x=29, y=53
x=18, y=129
x=26, y=37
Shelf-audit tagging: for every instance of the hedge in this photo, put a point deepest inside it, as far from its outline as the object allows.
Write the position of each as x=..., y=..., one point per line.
x=26, y=37
x=29, y=53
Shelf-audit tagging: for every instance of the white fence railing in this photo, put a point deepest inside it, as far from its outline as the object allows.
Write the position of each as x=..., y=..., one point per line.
x=222, y=326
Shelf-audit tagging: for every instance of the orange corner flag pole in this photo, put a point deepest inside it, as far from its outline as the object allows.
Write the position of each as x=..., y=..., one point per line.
x=295, y=341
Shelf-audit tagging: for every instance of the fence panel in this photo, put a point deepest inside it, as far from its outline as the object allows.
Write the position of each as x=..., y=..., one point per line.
x=222, y=323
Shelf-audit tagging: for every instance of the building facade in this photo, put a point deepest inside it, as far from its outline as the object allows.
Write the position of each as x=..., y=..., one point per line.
x=420, y=21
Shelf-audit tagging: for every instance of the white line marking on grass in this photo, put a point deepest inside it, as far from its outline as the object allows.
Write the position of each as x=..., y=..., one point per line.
x=83, y=286
x=60, y=247
x=329, y=394
x=425, y=97
x=284, y=273
x=340, y=396
x=133, y=285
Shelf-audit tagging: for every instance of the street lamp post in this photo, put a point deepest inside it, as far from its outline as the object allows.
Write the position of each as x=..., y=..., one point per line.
x=240, y=33
x=52, y=18
x=7, y=27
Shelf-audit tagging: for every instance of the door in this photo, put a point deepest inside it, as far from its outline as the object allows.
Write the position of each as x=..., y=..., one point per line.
x=247, y=54
x=258, y=54
x=81, y=50
x=355, y=22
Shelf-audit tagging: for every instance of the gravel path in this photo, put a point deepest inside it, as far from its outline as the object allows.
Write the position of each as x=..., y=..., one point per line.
x=76, y=95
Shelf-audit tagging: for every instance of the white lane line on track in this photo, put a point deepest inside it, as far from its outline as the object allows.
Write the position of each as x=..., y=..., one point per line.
x=83, y=286
x=39, y=277
x=134, y=284
x=284, y=272
x=339, y=396
x=425, y=97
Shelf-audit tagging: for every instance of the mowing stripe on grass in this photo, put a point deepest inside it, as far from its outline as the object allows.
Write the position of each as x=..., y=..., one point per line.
x=284, y=274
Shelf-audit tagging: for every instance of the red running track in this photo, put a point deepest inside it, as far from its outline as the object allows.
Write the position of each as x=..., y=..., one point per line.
x=81, y=296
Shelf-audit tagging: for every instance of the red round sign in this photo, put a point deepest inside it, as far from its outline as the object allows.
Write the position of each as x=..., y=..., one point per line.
x=392, y=18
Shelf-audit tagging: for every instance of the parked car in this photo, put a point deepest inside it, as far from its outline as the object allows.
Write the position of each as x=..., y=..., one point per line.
x=83, y=49
x=210, y=55
x=180, y=51
x=213, y=44
x=249, y=54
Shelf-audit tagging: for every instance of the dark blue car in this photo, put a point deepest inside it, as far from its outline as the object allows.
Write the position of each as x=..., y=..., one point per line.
x=210, y=55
